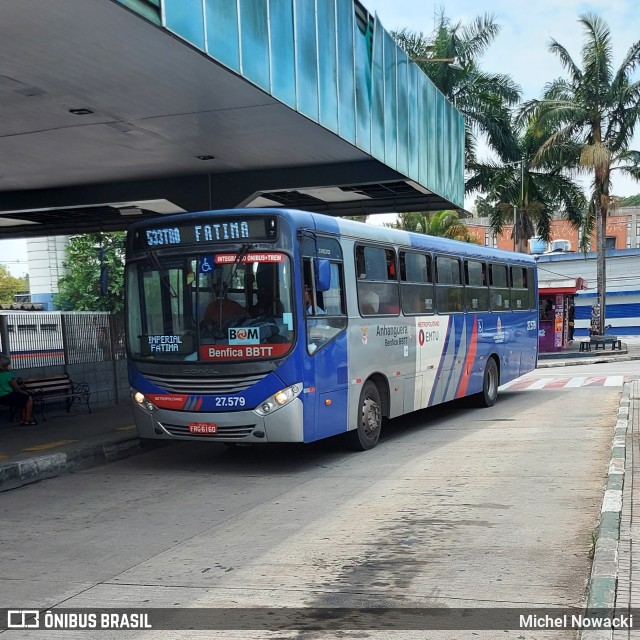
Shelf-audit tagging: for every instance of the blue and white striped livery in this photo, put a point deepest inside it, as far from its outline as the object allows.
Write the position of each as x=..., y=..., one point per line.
x=274, y=325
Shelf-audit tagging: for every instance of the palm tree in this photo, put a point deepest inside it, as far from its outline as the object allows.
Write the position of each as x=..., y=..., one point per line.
x=593, y=114
x=526, y=192
x=444, y=224
x=482, y=98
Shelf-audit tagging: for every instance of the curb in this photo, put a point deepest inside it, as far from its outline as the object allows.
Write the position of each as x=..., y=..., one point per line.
x=572, y=362
x=604, y=570
x=84, y=455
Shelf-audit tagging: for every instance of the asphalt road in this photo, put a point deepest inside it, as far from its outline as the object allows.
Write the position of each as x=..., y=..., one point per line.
x=456, y=507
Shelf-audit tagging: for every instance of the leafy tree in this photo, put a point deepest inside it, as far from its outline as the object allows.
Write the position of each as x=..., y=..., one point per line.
x=484, y=207
x=86, y=258
x=10, y=285
x=593, y=114
x=629, y=201
x=483, y=98
x=529, y=191
x=444, y=224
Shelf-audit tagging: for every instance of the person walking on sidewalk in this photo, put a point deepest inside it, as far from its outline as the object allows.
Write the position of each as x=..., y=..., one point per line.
x=12, y=395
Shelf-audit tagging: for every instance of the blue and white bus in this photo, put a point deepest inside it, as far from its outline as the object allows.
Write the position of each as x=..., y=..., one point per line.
x=275, y=325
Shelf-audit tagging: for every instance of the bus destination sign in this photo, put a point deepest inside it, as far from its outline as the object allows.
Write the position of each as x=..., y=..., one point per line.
x=206, y=231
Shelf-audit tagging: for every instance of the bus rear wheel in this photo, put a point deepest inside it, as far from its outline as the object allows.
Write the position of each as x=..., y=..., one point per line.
x=489, y=394
x=367, y=433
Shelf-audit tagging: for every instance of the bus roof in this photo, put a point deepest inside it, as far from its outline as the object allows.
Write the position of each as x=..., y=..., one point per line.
x=356, y=230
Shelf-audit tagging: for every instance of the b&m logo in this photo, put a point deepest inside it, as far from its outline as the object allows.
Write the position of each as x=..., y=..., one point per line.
x=244, y=335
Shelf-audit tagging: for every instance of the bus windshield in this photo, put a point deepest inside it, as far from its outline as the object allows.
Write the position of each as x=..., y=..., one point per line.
x=224, y=307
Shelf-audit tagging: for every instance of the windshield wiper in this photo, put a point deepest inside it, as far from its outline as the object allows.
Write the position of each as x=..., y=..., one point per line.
x=152, y=257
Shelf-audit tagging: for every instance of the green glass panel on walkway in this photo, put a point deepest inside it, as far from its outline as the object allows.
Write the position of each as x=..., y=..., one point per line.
x=254, y=42
x=346, y=81
x=222, y=32
x=283, y=70
x=432, y=136
x=327, y=65
x=440, y=132
x=390, y=102
x=414, y=127
x=185, y=18
x=402, y=72
x=457, y=149
x=377, y=93
x=423, y=129
x=149, y=9
x=306, y=58
x=363, y=34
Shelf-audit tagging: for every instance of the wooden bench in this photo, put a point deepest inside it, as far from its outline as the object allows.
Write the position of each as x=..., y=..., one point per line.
x=601, y=342
x=58, y=388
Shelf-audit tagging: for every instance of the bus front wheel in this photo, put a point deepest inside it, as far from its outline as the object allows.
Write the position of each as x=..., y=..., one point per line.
x=489, y=394
x=366, y=435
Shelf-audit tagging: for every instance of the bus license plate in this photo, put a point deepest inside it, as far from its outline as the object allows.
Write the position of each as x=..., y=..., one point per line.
x=203, y=428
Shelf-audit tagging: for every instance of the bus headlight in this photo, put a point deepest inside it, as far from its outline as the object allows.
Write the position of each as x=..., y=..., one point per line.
x=143, y=402
x=279, y=399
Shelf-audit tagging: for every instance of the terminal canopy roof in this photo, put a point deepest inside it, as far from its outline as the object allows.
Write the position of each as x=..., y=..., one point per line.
x=113, y=110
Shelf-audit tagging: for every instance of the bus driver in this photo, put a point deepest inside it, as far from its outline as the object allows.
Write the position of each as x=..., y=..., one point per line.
x=222, y=312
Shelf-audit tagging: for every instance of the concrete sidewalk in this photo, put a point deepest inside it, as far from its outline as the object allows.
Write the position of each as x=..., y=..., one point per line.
x=65, y=443
x=70, y=442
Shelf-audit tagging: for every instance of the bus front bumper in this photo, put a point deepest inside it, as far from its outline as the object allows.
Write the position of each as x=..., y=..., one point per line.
x=283, y=425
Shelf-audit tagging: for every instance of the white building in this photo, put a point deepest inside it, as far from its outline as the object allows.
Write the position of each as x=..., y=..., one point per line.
x=45, y=257
x=623, y=287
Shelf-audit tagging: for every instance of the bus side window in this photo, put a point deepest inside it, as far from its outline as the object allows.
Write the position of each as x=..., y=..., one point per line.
x=499, y=287
x=519, y=292
x=476, y=291
x=531, y=288
x=416, y=283
x=377, y=281
x=449, y=291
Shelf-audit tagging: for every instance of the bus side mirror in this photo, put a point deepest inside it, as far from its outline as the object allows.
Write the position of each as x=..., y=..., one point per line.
x=323, y=274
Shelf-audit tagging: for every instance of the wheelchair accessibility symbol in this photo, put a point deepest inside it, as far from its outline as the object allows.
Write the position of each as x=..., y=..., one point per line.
x=205, y=265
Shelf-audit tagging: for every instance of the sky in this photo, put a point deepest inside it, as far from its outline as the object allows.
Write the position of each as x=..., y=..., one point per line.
x=520, y=50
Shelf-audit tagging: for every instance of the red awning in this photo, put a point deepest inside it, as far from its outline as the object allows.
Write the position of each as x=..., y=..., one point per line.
x=565, y=285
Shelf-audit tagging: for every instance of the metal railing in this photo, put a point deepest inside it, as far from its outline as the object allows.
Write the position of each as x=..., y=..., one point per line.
x=37, y=338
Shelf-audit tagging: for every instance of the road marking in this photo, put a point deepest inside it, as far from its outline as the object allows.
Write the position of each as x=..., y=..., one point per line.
x=530, y=383
x=49, y=445
x=539, y=384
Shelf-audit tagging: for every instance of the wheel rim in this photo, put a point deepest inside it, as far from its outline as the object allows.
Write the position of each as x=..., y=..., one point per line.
x=370, y=418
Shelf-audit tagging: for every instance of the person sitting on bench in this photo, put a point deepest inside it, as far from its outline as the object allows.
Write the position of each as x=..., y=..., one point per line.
x=12, y=396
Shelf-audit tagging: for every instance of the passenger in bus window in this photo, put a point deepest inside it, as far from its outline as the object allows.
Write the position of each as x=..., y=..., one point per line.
x=221, y=312
x=11, y=395
x=311, y=308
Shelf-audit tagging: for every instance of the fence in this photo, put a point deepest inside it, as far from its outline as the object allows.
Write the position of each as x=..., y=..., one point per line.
x=89, y=346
